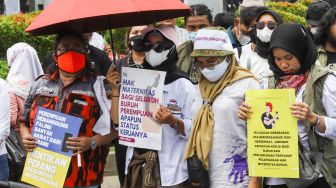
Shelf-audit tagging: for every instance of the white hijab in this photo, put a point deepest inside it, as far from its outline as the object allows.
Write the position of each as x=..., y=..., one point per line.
x=24, y=66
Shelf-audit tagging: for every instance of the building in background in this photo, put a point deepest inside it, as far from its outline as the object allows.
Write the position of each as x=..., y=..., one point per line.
x=16, y=6
x=217, y=6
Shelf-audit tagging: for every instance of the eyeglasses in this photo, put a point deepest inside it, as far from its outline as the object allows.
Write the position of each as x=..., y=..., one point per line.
x=158, y=46
x=270, y=25
x=208, y=63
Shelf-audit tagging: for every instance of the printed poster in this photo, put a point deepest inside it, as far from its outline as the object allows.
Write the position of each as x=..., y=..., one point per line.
x=140, y=98
x=48, y=164
x=272, y=134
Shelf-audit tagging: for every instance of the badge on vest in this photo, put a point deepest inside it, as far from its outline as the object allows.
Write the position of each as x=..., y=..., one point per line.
x=47, y=91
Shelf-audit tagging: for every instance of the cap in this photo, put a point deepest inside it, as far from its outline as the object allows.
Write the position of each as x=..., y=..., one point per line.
x=212, y=42
x=315, y=11
x=167, y=31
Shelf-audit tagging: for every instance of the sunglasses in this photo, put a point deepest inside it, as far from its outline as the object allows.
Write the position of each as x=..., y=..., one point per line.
x=262, y=25
x=158, y=46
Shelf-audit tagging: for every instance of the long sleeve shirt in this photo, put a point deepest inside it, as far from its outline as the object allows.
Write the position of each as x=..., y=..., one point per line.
x=4, y=116
x=173, y=167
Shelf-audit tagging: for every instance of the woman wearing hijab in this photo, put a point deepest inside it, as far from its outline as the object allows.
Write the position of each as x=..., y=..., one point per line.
x=134, y=59
x=24, y=68
x=167, y=167
x=219, y=137
x=293, y=60
x=256, y=60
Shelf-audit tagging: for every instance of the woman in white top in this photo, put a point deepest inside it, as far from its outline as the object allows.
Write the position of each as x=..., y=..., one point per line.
x=294, y=63
x=4, y=130
x=218, y=138
x=166, y=167
x=255, y=57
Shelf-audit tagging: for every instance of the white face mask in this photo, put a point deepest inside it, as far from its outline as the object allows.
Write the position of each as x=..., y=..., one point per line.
x=243, y=39
x=264, y=34
x=154, y=58
x=314, y=30
x=192, y=35
x=213, y=75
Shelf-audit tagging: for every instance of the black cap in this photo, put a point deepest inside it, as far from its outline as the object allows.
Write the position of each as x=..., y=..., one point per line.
x=315, y=11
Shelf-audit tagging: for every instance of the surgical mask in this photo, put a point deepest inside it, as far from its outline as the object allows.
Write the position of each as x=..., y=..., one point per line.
x=314, y=30
x=215, y=73
x=156, y=58
x=71, y=61
x=192, y=35
x=264, y=34
x=243, y=39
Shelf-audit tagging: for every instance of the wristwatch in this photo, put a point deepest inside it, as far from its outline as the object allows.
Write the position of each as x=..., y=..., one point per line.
x=93, y=143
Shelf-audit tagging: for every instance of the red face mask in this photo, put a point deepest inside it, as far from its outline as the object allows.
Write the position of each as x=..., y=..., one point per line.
x=71, y=62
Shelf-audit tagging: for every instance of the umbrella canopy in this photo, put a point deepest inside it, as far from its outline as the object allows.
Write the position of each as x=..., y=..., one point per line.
x=95, y=15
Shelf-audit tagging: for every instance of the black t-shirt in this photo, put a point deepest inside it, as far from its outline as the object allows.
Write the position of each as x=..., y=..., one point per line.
x=99, y=58
x=331, y=58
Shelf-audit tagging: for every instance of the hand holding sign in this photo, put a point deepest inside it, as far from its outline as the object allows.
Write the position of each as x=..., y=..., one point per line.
x=303, y=112
x=244, y=111
x=165, y=116
x=29, y=142
x=78, y=144
x=113, y=78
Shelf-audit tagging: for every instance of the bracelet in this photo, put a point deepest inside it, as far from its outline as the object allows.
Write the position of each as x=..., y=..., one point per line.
x=115, y=95
x=317, y=121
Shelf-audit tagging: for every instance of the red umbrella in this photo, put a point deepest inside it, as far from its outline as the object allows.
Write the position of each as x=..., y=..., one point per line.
x=95, y=15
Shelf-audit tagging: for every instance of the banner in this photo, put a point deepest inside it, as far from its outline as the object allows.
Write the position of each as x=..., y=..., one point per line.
x=48, y=164
x=272, y=134
x=140, y=97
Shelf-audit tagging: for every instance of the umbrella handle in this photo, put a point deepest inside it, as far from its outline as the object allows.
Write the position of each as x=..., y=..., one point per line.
x=112, y=46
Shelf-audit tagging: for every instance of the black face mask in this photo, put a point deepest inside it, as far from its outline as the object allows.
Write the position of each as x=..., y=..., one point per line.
x=137, y=43
x=332, y=41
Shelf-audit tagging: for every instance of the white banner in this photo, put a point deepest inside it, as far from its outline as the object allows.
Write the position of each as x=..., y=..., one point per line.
x=140, y=98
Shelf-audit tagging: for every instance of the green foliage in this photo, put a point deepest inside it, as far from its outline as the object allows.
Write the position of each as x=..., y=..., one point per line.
x=306, y=2
x=291, y=12
x=180, y=22
x=3, y=69
x=291, y=18
x=12, y=31
x=293, y=8
x=118, y=39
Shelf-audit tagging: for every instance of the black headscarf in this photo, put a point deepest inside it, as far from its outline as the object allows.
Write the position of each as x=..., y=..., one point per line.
x=262, y=48
x=169, y=65
x=296, y=40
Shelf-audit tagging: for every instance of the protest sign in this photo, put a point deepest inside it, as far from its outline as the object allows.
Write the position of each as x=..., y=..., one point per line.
x=140, y=97
x=272, y=134
x=48, y=164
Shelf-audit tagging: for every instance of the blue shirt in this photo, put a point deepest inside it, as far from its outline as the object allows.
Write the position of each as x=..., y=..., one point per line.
x=235, y=43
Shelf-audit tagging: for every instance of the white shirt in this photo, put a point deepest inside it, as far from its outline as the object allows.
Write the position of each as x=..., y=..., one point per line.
x=329, y=104
x=257, y=65
x=228, y=154
x=4, y=116
x=173, y=167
